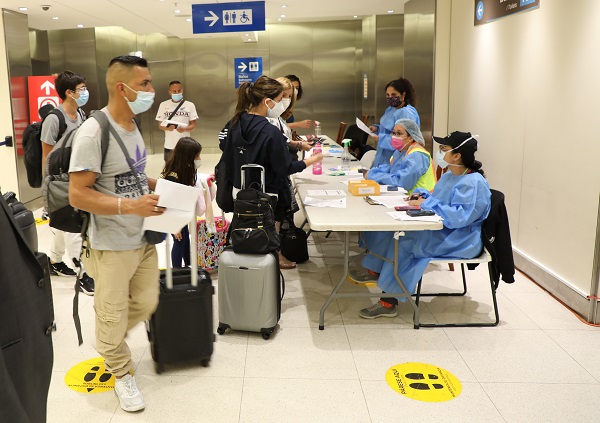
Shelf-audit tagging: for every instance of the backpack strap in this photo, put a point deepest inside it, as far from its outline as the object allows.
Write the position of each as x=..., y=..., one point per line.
x=104, y=141
x=62, y=125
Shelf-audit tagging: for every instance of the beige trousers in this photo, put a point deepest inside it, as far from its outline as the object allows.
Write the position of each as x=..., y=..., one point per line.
x=126, y=293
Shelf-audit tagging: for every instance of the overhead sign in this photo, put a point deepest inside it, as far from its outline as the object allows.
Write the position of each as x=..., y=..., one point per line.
x=41, y=92
x=228, y=17
x=489, y=10
x=247, y=69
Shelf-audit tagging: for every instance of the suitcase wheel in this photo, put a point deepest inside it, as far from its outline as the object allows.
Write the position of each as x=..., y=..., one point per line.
x=221, y=329
x=159, y=368
x=266, y=335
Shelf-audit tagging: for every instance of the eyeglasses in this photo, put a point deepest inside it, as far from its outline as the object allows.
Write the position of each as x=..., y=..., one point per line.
x=81, y=89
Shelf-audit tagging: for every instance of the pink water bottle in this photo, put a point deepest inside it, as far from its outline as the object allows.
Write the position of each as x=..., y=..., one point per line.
x=317, y=166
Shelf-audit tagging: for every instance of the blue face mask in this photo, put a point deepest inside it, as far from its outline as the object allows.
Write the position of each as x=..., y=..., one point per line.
x=84, y=96
x=142, y=102
x=177, y=97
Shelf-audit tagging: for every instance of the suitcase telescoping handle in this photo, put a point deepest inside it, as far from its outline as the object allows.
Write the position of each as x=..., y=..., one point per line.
x=193, y=256
x=253, y=166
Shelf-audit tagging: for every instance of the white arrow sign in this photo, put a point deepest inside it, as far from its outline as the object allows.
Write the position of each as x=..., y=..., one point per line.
x=47, y=86
x=242, y=67
x=214, y=18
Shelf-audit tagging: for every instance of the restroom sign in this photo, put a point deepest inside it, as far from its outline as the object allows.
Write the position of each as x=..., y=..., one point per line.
x=247, y=69
x=41, y=92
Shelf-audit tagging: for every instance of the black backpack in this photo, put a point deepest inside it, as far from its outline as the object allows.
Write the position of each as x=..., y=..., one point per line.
x=32, y=146
x=55, y=190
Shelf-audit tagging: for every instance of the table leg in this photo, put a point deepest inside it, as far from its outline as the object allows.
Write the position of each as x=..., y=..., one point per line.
x=339, y=284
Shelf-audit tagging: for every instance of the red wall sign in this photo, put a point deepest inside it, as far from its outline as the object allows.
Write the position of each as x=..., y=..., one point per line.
x=41, y=92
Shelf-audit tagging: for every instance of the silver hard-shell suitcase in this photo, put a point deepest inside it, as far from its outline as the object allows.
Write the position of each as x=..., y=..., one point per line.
x=250, y=290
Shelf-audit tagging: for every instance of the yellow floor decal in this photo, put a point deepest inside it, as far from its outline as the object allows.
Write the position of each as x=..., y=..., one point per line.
x=90, y=377
x=423, y=382
x=40, y=221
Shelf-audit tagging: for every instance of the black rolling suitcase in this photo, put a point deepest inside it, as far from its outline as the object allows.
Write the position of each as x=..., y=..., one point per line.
x=181, y=328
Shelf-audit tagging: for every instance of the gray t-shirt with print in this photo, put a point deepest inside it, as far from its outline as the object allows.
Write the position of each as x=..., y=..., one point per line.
x=112, y=232
x=50, y=126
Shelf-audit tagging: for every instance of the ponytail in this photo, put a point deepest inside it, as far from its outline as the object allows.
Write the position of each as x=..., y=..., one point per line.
x=467, y=154
x=251, y=94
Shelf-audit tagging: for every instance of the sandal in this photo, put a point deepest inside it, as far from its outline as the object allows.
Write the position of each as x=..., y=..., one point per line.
x=285, y=263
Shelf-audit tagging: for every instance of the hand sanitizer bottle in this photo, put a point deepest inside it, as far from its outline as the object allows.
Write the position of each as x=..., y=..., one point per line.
x=346, y=156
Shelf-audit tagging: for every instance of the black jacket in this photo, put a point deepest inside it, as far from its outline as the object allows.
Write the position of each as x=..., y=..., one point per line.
x=26, y=318
x=254, y=140
x=497, y=240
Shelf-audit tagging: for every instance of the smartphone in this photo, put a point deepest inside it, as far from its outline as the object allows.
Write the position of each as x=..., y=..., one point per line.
x=172, y=125
x=420, y=212
x=392, y=188
x=406, y=208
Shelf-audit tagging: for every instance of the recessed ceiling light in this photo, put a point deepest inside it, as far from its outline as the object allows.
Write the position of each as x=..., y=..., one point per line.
x=23, y=9
x=79, y=26
x=278, y=19
x=390, y=11
x=283, y=6
x=355, y=16
x=189, y=19
x=249, y=39
x=247, y=35
x=283, y=16
x=177, y=11
x=55, y=18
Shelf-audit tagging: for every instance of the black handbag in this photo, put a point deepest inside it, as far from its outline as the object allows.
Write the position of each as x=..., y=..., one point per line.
x=294, y=246
x=252, y=229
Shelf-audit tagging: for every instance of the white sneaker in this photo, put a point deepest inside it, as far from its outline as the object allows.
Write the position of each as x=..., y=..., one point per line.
x=130, y=397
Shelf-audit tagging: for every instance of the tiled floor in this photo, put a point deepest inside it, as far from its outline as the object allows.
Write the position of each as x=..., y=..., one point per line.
x=539, y=365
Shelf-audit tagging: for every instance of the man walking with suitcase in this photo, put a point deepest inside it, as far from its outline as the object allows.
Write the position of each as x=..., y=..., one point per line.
x=123, y=264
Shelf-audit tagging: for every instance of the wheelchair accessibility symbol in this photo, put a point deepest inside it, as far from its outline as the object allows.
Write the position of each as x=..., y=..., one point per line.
x=423, y=382
x=237, y=17
x=90, y=377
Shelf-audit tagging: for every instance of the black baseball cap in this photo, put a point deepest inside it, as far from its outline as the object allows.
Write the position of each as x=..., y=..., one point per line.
x=454, y=139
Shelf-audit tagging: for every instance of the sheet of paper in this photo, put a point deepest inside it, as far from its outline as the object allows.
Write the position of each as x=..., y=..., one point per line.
x=338, y=203
x=364, y=127
x=325, y=192
x=180, y=202
x=389, y=201
x=174, y=122
x=403, y=216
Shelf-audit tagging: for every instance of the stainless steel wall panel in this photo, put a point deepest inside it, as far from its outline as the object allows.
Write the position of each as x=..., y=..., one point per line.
x=209, y=87
x=16, y=38
x=389, y=56
x=419, y=54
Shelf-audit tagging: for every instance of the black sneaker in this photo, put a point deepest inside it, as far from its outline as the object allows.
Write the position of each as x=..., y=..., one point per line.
x=52, y=271
x=86, y=284
x=62, y=269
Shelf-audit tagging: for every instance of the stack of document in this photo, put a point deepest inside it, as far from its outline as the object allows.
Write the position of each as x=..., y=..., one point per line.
x=403, y=216
x=180, y=202
x=389, y=201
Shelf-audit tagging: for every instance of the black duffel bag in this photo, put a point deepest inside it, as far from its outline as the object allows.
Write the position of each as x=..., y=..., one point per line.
x=294, y=245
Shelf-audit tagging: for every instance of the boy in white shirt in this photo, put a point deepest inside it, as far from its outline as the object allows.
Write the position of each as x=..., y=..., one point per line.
x=178, y=124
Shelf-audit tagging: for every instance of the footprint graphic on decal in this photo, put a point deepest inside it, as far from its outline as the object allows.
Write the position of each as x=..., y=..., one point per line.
x=90, y=376
x=421, y=385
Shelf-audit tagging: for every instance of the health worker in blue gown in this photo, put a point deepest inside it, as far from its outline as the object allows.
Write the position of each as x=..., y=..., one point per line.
x=401, y=99
x=411, y=168
x=462, y=198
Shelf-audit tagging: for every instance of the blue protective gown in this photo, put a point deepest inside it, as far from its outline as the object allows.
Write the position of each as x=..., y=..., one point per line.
x=386, y=127
x=404, y=172
x=464, y=203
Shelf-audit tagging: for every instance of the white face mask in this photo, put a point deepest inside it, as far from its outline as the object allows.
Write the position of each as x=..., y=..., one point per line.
x=439, y=155
x=286, y=102
x=276, y=111
x=197, y=163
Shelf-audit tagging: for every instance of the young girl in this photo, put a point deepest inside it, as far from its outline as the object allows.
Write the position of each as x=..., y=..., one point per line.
x=181, y=168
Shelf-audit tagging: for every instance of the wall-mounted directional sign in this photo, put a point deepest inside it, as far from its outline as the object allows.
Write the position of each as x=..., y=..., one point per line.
x=490, y=10
x=228, y=17
x=247, y=69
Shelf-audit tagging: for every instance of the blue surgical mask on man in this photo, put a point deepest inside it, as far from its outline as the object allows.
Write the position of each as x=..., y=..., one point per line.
x=177, y=97
x=142, y=102
x=84, y=96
